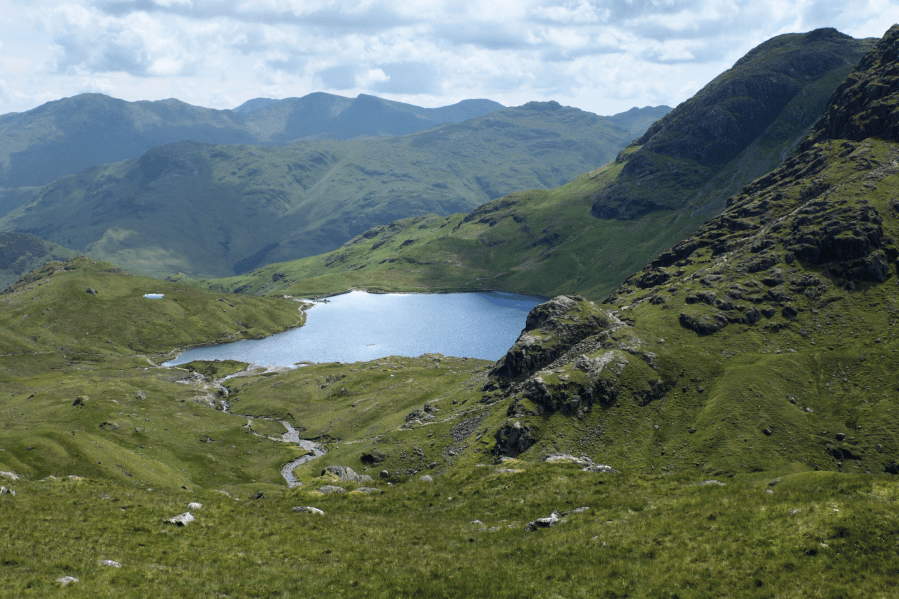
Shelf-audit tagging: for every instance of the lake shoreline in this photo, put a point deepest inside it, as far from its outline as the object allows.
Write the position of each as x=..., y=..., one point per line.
x=358, y=326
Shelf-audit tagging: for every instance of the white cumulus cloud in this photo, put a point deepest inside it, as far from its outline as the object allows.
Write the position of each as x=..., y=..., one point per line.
x=600, y=55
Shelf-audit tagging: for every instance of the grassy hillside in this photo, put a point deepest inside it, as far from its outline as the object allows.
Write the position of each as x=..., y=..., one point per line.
x=541, y=242
x=588, y=236
x=219, y=210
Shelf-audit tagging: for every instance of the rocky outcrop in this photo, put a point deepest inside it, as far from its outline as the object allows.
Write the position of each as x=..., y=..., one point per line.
x=308, y=509
x=513, y=439
x=181, y=519
x=547, y=522
x=550, y=330
x=345, y=473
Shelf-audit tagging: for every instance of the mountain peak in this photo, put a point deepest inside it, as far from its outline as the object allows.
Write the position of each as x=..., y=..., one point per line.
x=825, y=33
x=866, y=104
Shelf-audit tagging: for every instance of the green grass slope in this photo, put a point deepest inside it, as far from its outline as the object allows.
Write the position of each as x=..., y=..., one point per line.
x=764, y=340
x=542, y=242
x=589, y=235
x=219, y=210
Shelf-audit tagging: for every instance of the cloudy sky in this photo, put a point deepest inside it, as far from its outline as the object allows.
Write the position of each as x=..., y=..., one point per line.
x=604, y=56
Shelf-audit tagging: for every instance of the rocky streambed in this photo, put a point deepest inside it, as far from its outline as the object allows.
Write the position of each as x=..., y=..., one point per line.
x=315, y=450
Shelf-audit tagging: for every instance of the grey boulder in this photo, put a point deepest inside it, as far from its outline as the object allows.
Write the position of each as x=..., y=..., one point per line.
x=181, y=519
x=346, y=473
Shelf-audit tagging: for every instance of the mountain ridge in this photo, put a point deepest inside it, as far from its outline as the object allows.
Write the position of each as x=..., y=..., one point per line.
x=776, y=318
x=47, y=142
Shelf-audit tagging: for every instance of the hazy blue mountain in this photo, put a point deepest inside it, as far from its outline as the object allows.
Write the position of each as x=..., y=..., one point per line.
x=327, y=116
x=69, y=135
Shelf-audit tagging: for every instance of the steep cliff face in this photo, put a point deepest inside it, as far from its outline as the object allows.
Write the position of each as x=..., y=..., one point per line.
x=733, y=130
x=750, y=344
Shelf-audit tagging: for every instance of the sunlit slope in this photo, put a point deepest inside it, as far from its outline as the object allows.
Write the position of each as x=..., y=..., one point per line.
x=94, y=309
x=765, y=339
x=588, y=236
x=79, y=395
x=541, y=242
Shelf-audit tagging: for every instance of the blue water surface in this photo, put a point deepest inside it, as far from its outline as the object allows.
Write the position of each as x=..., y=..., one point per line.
x=358, y=327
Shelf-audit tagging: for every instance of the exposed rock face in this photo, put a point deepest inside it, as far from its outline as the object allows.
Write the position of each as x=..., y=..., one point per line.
x=571, y=356
x=551, y=329
x=513, y=439
x=375, y=457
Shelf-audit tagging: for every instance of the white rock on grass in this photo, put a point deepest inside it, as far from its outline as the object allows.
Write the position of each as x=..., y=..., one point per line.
x=110, y=563
x=600, y=468
x=181, y=519
x=308, y=509
x=66, y=580
x=194, y=506
x=706, y=483
x=551, y=520
x=5, y=491
x=9, y=475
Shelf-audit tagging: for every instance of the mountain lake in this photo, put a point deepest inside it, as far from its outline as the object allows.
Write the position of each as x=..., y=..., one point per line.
x=359, y=326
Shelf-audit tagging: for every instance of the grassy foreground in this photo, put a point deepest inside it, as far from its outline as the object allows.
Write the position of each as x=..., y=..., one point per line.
x=806, y=534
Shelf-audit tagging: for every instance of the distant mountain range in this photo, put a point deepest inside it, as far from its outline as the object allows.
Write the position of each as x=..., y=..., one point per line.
x=216, y=210
x=69, y=135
